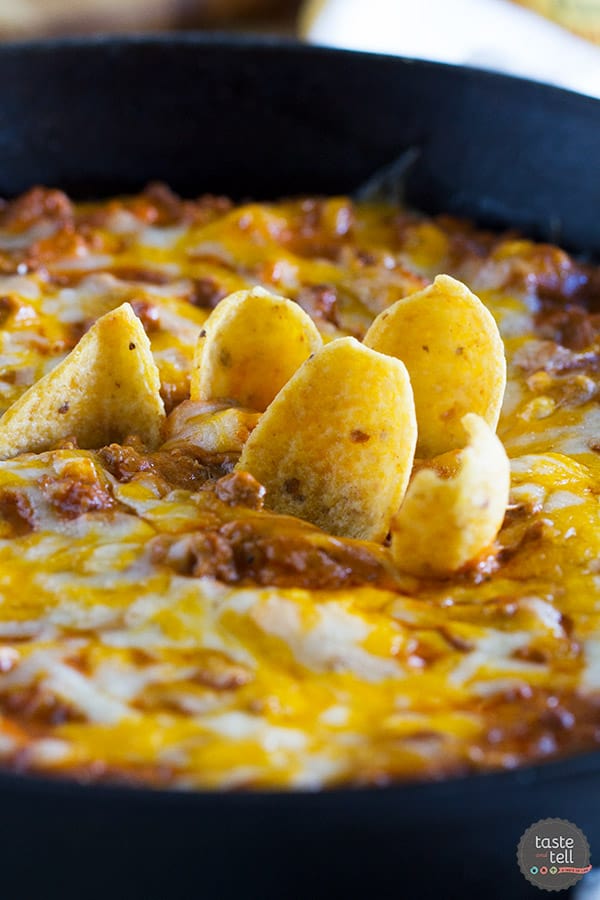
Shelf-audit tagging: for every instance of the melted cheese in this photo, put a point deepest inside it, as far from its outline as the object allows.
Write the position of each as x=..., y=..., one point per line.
x=112, y=663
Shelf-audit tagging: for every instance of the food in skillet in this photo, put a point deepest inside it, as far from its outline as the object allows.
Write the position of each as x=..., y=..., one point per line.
x=258, y=523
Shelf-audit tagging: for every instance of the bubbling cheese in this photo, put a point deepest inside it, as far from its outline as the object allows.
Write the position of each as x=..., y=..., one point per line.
x=156, y=625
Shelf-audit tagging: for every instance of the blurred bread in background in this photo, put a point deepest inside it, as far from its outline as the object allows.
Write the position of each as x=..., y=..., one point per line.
x=580, y=16
x=41, y=18
x=499, y=35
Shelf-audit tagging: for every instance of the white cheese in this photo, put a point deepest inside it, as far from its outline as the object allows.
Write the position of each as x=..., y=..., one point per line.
x=562, y=500
x=241, y=726
x=332, y=644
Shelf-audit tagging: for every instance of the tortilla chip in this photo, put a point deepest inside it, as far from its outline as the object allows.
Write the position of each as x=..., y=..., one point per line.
x=213, y=428
x=250, y=346
x=453, y=351
x=336, y=446
x=453, y=511
x=107, y=388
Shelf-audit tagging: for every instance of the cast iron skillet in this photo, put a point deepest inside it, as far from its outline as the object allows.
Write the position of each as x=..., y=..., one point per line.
x=269, y=119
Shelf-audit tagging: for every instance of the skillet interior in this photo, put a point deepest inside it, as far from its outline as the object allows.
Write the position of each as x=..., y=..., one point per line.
x=268, y=119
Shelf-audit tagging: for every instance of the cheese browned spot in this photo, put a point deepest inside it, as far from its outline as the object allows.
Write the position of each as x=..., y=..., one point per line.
x=159, y=625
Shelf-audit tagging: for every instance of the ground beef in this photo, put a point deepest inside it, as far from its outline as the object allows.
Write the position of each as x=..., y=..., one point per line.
x=548, y=356
x=36, y=205
x=77, y=490
x=16, y=512
x=273, y=550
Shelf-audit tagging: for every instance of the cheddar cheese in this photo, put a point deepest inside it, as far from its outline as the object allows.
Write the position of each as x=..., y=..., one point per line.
x=163, y=623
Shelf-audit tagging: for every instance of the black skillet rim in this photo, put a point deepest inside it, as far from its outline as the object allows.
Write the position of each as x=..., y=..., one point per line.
x=235, y=41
